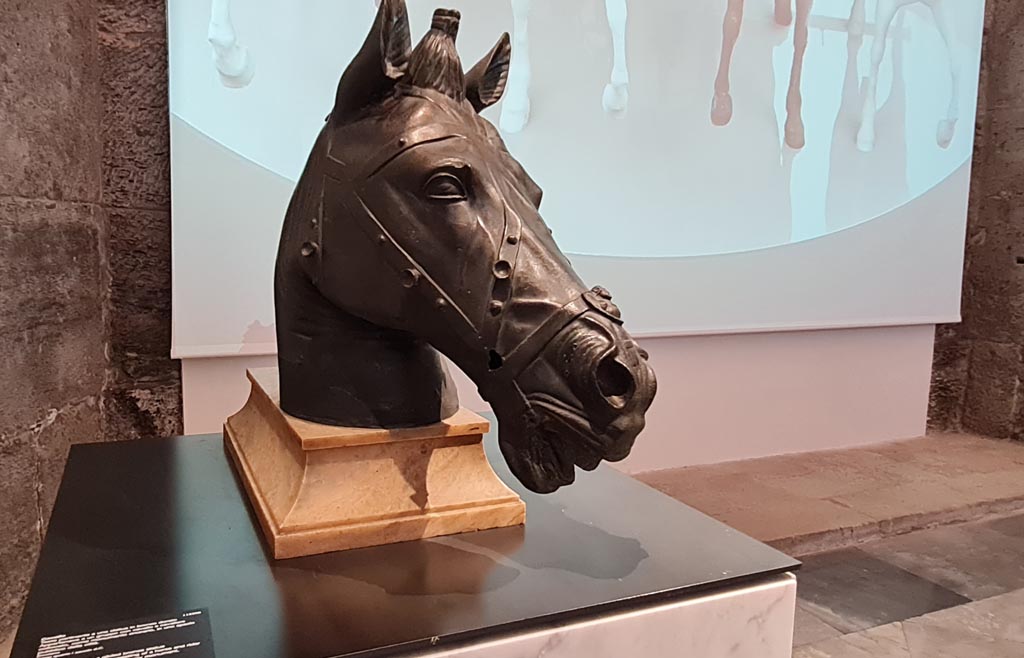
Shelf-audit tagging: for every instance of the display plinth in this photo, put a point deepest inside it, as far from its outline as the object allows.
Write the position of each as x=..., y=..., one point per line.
x=155, y=529
x=319, y=488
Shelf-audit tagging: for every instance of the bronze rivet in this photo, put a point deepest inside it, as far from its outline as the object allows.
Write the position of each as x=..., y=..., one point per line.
x=308, y=249
x=401, y=141
x=503, y=269
x=440, y=303
x=410, y=278
x=496, y=307
x=381, y=238
x=314, y=222
x=512, y=239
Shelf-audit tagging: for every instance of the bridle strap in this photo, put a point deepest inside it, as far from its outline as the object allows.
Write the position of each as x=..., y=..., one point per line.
x=530, y=347
x=483, y=334
x=503, y=274
x=343, y=171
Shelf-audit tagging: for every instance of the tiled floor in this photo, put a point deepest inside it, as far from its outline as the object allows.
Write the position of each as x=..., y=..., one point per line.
x=814, y=501
x=950, y=592
x=851, y=591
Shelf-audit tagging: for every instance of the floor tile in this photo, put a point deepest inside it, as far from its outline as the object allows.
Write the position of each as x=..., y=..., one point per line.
x=836, y=473
x=1000, y=616
x=973, y=559
x=809, y=629
x=885, y=641
x=745, y=502
x=976, y=450
x=993, y=628
x=806, y=516
x=966, y=632
x=912, y=496
x=954, y=454
x=714, y=491
x=839, y=497
x=1012, y=526
x=852, y=591
x=980, y=487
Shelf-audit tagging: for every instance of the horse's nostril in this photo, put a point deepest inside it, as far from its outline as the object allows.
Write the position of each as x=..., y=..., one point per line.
x=614, y=380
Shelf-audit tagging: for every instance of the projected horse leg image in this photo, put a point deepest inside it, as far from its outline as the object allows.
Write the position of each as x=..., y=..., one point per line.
x=616, y=92
x=515, y=111
x=234, y=65
x=845, y=196
x=858, y=17
x=944, y=22
x=794, y=98
x=722, y=101
x=885, y=13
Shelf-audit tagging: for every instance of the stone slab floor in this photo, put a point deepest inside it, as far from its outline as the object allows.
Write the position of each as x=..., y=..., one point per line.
x=949, y=592
x=810, y=502
x=913, y=549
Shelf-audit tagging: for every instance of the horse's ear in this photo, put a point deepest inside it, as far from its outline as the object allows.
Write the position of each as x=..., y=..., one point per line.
x=485, y=82
x=381, y=61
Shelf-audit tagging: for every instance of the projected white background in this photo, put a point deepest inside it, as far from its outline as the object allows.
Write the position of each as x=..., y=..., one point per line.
x=699, y=220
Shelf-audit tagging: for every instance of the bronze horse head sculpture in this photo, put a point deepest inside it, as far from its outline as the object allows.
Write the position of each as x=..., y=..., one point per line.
x=413, y=231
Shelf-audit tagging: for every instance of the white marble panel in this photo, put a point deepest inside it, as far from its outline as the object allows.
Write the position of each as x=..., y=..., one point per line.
x=744, y=622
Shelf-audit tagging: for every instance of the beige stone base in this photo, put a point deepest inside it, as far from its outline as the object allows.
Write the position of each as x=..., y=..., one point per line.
x=318, y=488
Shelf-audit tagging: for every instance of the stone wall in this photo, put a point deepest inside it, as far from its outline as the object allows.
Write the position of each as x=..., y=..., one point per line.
x=976, y=381
x=84, y=251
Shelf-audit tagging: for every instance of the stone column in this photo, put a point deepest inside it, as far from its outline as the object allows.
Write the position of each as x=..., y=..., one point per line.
x=977, y=376
x=53, y=277
x=142, y=393
x=84, y=251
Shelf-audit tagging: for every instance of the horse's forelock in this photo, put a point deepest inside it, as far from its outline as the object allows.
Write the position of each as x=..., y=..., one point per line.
x=434, y=63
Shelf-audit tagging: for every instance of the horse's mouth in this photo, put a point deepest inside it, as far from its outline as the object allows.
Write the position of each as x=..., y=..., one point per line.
x=559, y=436
x=574, y=440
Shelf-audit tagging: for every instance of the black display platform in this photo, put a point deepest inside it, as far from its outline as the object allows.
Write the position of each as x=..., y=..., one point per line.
x=150, y=529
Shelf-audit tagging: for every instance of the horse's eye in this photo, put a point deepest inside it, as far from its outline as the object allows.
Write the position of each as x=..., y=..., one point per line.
x=446, y=186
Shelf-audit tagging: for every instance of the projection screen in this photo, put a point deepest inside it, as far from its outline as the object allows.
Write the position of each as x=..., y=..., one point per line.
x=791, y=170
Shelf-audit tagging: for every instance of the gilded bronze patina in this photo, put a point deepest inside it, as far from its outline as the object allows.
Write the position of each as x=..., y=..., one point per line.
x=413, y=231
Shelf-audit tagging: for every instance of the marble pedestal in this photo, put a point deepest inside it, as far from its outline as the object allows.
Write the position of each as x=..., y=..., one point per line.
x=319, y=488
x=754, y=621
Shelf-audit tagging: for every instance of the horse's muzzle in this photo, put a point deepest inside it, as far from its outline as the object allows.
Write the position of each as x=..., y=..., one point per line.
x=592, y=409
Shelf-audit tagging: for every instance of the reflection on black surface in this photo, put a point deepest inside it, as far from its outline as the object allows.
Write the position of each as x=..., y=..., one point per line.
x=437, y=585
x=600, y=554
x=438, y=582
x=416, y=568
x=328, y=600
x=583, y=549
